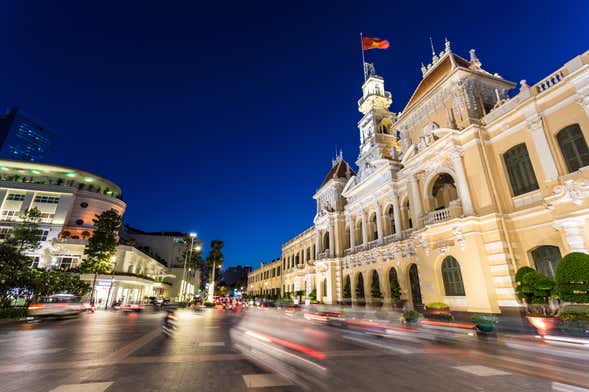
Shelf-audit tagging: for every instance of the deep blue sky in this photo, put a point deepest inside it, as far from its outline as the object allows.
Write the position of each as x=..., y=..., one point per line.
x=223, y=117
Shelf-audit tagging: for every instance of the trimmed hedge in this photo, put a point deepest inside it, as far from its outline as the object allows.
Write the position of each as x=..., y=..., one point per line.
x=572, y=278
x=437, y=305
x=13, y=313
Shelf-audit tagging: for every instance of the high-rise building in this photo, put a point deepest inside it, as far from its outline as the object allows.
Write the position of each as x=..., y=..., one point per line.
x=22, y=138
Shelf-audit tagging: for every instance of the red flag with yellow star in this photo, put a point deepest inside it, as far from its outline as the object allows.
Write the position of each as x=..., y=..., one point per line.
x=374, y=43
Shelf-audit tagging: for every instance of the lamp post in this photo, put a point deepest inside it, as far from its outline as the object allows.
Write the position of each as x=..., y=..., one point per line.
x=188, y=254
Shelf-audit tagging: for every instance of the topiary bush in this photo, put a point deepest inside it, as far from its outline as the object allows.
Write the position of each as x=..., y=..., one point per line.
x=572, y=278
x=209, y=304
x=410, y=316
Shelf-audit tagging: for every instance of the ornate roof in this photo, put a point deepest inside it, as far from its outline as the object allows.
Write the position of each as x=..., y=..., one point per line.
x=340, y=169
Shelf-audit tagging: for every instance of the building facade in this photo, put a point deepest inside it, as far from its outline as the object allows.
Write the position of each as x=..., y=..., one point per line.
x=266, y=281
x=476, y=177
x=69, y=199
x=22, y=138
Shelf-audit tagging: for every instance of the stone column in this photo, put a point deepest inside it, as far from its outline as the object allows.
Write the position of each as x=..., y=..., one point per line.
x=415, y=202
x=572, y=230
x=378, y=220
x=364, y=228
x=542, y=148
x=331, y=241
x=461, y=183
x=317, y=244
x=352, y=234
x=397, y=213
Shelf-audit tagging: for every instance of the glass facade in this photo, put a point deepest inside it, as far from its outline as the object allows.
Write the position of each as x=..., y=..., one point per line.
x=22, y=138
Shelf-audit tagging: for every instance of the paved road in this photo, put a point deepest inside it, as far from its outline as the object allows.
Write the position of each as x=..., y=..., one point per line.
x=268, y=351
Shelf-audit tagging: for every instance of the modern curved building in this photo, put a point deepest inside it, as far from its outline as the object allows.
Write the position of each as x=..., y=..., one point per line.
x=69, y=199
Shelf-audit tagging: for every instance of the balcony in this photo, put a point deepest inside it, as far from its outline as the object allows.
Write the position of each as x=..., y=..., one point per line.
x=438, y=216
x=323, y=255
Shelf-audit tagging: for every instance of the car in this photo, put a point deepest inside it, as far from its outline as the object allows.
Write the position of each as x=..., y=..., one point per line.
x=132, y=308
x=57, y=305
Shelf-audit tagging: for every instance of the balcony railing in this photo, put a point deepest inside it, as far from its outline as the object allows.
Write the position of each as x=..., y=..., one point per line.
x=454, y=210
x=437, y=216
x=373, y=244
x=406, y=233
x=550, y=81
x=323, y=255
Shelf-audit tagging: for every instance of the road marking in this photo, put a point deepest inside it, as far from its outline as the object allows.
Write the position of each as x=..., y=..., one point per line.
x=557, y=386
x=265, y=380
x=135, y=345
x=45, y=351
x=212, y=327
x=85, y=387
x=483, y=371
x=212, y=344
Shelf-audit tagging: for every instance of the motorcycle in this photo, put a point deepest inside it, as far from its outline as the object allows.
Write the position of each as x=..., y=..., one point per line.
x=169, y=323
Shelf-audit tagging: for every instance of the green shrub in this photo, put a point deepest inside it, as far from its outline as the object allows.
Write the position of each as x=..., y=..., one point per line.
x=437, y=305
x=532, y=286
x=209, y=304
x=410, y=316
x=572, y=278
x=484, y=319
x=13, y=312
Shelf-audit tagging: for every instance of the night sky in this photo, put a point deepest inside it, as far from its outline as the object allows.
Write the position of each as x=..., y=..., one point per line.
x=223, y=118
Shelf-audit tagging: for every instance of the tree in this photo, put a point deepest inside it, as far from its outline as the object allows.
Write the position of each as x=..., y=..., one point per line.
x=215, y=257
x=375, y=292
x=572, y=278
x=26, y=235
x=360, y=286
x=347, y=289
x=102, y=246
x=14, y=273
x=395, y=290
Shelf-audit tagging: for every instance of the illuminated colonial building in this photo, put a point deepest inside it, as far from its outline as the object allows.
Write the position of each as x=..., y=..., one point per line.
x=476, y=177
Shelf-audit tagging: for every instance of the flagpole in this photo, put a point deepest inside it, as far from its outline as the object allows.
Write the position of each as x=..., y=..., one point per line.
x=363, y=62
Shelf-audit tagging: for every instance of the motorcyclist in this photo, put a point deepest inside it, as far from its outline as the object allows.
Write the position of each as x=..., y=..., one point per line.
x=169, y=321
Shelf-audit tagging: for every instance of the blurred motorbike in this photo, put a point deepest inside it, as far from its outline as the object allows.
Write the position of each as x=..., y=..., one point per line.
x=169, y=322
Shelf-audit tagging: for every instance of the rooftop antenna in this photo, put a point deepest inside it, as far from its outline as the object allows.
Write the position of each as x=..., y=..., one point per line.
x=432, y=45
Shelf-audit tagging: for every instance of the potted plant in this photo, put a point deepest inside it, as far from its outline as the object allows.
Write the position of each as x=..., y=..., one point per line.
x=484, y=322
x=410, y=316
x=438, y=311
x=535, y=289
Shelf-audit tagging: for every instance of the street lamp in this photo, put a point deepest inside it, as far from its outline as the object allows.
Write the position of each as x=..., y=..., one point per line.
x=188, y=254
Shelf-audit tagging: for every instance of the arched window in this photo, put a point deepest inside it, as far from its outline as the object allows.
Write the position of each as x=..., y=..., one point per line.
x=546, y=259
x=391, y=220
x=374, y=227
x=324, y=287
x=360, y=286
x=520, y=170
x=358, y=239
x=326, y=241
x=308, y=254
x=452, y=277
x=573, y=147
x=347, y=239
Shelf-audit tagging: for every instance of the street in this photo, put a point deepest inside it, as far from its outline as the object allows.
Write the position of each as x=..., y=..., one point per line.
x=214, y=350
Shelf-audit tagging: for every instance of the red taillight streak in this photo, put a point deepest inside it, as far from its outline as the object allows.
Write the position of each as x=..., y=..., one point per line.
x=373, y=324
x=448, y=324
x=294, y=346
